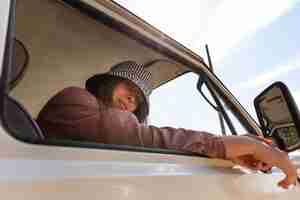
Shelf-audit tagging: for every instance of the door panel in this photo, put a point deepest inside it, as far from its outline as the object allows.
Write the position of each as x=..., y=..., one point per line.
x=111, y=180
x=51, y=172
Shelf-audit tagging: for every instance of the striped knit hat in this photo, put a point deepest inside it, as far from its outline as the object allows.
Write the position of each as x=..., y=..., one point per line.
x=130, y=70
x=135, y=73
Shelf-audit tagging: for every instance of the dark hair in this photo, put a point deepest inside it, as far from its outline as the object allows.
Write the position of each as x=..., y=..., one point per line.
x=105, y=90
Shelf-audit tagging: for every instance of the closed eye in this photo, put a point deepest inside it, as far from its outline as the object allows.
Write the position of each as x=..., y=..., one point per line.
x=131, y=99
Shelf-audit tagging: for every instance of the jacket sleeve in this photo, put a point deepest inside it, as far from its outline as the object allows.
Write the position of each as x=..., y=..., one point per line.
x=123, y=128
x=75, y=114
x=184, y=140
x=72, y=113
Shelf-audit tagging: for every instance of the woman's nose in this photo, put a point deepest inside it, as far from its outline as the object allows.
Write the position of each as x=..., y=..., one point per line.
x=131, y=103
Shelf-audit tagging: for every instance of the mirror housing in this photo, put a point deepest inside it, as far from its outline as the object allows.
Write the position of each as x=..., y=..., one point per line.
x=279, y=116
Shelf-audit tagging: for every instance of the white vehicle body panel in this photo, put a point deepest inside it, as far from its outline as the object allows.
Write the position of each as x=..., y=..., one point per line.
x=36, y=171
x=50, y=172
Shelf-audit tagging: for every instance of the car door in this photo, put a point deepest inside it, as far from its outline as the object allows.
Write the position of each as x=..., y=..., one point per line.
x=59, y=170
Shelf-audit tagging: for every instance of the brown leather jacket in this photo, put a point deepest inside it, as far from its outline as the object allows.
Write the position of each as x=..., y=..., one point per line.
x=76, y=114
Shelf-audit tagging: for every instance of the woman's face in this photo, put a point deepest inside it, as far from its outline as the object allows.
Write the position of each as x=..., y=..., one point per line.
x=124, y=98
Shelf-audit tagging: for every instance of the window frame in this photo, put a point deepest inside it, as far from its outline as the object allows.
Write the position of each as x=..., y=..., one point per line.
x=218, y=86
x=7, y=55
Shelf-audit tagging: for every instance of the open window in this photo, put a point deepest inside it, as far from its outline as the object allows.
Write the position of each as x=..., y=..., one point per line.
x=60, y=43
x=45, y=55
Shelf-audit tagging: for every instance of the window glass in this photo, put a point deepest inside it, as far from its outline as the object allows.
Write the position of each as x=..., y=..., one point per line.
x=179, y=104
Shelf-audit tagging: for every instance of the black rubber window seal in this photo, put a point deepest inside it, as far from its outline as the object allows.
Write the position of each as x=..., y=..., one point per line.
x=7, y=57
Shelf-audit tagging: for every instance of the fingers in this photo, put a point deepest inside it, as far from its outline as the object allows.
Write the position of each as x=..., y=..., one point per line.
x=280, y=159
x=259, y=166
x=249, y=162
x=289, y=169
x=249, y=150
x=285, y=183
x=262, y=166
x=246, y=164
x=266, y=168
x=245, y=161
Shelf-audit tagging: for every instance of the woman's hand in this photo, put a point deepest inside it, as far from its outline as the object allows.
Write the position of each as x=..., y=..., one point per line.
x=249, y=162
x=256, y=154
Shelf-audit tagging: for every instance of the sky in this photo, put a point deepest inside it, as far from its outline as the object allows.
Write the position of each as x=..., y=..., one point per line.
x=252, y=44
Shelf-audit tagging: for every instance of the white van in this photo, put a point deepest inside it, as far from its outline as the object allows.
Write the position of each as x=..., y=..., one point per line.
x=51, y=44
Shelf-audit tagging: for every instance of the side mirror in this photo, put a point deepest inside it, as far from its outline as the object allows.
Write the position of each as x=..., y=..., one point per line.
x=279, y=116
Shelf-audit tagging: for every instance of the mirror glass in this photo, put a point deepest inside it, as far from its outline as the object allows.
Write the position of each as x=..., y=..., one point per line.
x=279, y=116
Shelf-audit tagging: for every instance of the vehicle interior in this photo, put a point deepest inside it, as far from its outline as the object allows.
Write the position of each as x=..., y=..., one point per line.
x=64, y=47
x=58, y=44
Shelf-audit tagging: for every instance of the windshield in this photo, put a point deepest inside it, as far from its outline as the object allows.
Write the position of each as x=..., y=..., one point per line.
x=252, y=44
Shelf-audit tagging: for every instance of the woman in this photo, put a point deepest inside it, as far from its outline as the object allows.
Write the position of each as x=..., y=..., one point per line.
x=113, y=109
